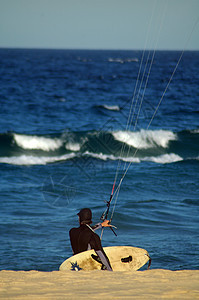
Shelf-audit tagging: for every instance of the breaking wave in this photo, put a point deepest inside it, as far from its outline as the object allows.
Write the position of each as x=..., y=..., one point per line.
x=145, y=139
x=37, y=142
x=35, y=160
x=157, y=146
x=162, y=159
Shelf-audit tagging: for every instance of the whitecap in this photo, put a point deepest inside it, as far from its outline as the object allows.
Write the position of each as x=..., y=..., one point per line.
x=195, y=131
x=33, y=142
x=72, y=146
x=145, y=139
x=112, y=107
x=123, y=60
x=111, y=157
x=34, y=160
x=164, y=159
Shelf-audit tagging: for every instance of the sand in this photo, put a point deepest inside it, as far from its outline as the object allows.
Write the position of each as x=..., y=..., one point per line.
x=151, y=284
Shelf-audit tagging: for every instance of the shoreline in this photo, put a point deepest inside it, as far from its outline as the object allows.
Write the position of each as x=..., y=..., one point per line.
x=149, y=284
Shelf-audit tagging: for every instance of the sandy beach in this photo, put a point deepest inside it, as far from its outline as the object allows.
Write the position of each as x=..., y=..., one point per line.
x=151, y=284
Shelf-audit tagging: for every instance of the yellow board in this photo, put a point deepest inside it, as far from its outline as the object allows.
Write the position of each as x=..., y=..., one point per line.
x=122, y=258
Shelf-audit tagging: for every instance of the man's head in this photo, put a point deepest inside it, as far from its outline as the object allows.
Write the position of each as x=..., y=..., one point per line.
x=85, y=216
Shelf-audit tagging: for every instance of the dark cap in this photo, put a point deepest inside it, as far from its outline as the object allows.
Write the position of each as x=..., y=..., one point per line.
x=85, y=215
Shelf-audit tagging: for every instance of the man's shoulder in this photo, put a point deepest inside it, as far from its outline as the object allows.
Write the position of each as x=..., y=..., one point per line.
x=73, y=230
x=78, y=229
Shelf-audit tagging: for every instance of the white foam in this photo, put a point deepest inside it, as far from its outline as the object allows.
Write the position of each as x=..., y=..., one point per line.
x=145, y=139
x=43, y=160
x=37, y=142
x=121, y=60
x=164, y=159
x=112, y=107
x=111, y=157
x=195, y=131
x=72, y=146
x=34, y=160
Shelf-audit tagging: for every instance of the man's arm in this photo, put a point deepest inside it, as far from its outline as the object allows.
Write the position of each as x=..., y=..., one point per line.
x=105, y=223
x=96, y=245
x=104, y=259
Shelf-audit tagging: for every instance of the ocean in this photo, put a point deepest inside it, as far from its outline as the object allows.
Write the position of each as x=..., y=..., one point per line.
x=72, y=122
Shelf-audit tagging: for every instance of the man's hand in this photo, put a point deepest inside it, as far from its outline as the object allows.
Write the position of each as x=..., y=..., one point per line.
x=106, y=223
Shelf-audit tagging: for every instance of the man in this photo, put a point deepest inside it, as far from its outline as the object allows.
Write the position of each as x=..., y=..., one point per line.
x=84, y=238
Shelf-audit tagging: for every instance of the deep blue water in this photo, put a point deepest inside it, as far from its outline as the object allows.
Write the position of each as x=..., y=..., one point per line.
x=64, y=135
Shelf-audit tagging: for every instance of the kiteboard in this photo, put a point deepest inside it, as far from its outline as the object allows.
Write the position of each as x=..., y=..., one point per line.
x=122, y=258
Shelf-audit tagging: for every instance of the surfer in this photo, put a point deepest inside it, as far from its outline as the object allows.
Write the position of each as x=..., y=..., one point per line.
x=84, y=238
